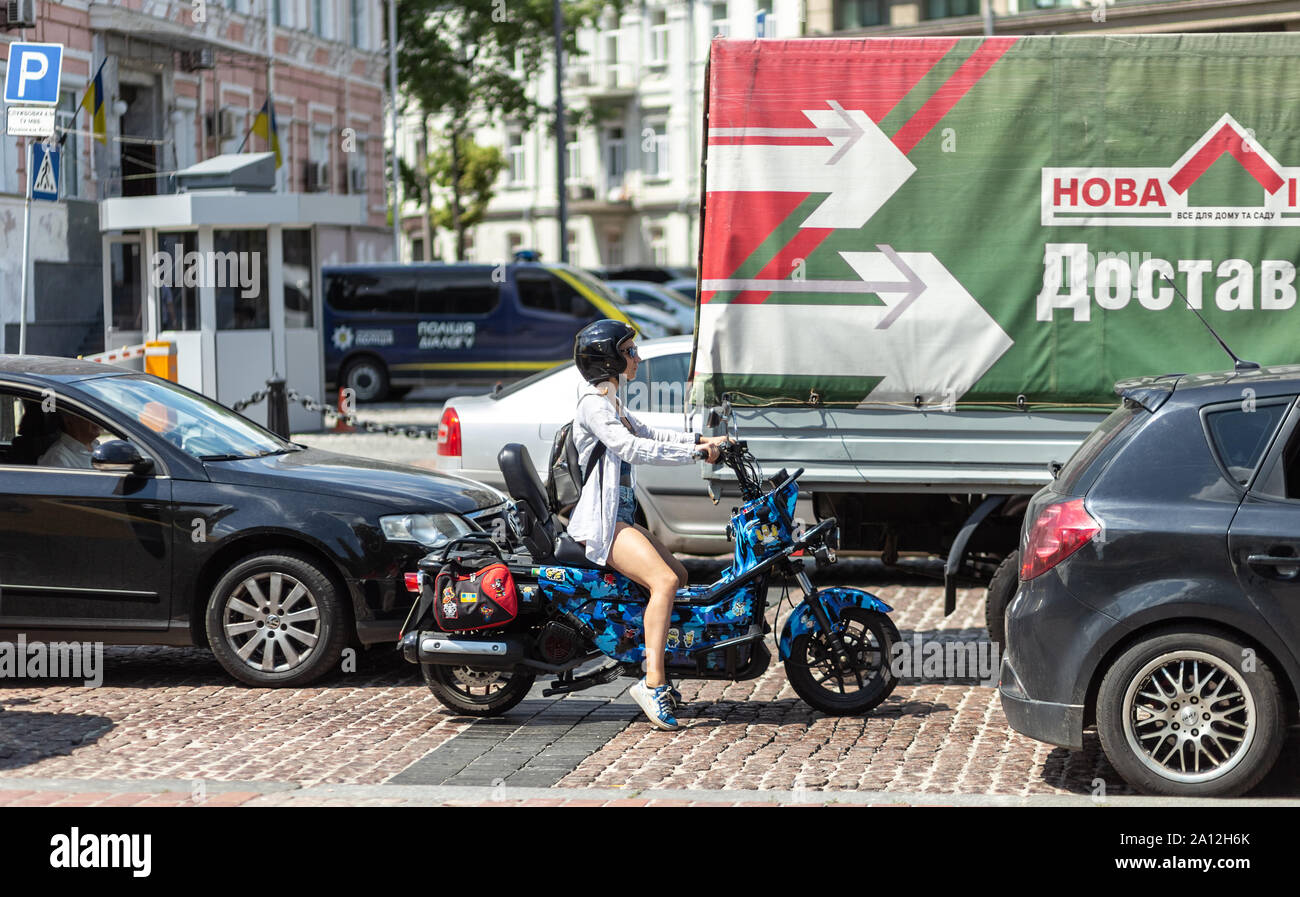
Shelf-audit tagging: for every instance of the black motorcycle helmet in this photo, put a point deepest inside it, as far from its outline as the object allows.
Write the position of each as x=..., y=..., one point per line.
x=595, y=349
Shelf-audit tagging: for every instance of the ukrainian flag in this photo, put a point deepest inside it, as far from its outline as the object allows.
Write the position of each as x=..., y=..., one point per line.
x=264, y=127
x=93, y=100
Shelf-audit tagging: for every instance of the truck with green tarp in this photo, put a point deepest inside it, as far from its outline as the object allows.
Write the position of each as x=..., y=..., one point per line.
x=926, y=262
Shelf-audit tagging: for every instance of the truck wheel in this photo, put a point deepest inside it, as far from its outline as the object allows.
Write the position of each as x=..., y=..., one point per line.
x=1179, y=715
x=471, y=692
x=367, y=378
x=276, y=620
x=1002, y=588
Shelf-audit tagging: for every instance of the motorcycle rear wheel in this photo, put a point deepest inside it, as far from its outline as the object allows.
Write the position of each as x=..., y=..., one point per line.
x=869, y=637
x=473, y=692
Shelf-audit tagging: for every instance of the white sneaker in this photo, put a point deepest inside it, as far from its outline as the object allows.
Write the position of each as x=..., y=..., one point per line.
x=657, y=705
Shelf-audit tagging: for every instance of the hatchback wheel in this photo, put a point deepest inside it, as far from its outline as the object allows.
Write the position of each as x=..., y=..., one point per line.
x=275, y=619
x=1191, y=714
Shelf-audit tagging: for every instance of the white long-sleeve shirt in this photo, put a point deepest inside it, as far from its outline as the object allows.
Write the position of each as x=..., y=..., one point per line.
x=597, y=420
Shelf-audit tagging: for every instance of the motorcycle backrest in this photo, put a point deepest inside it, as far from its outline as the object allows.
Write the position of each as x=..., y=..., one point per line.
x=525, y=487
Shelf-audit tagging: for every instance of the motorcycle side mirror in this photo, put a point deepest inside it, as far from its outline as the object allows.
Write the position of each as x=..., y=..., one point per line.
x=714, y=419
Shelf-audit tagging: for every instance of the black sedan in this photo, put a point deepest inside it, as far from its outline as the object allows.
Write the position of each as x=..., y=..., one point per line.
x=135, y=511
x=1159, y=593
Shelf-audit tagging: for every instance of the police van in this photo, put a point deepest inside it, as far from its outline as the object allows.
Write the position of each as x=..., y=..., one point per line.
x=391, y=327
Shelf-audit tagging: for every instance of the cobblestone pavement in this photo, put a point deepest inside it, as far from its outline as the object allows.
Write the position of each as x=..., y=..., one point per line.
x=168, y=727
x=166, y=719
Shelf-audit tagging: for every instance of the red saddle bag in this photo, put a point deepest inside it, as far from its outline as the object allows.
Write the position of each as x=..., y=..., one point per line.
x=474, y=599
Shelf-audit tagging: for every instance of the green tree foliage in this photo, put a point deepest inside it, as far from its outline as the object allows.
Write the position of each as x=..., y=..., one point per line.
x=469, y=61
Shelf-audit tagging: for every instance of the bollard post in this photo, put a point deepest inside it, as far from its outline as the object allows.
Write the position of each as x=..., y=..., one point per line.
x=277, y=407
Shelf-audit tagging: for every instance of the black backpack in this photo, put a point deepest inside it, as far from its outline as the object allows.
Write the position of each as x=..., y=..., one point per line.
x=564, y=475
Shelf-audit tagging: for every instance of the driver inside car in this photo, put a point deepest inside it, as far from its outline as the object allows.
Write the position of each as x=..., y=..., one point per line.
x=75, y=445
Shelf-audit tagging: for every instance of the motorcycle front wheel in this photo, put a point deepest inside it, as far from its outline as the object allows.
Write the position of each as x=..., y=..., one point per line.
x=472, y=692
x=841, y=689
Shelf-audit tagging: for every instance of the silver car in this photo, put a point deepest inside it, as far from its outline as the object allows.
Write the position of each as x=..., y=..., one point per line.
x=642, y=295
x=673, y=500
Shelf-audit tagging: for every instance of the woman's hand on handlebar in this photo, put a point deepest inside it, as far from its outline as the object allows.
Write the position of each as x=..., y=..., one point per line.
x=708, y=450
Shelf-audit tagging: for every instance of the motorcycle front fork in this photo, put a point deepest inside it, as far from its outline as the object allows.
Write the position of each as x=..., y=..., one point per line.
x=823, y=619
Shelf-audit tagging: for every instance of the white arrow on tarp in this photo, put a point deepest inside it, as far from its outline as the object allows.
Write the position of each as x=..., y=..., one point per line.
x=910, y=286
x=861, y=168
x=934, y=344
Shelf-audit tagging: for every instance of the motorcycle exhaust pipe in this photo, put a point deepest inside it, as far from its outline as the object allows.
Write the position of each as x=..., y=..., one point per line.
x=446, y=648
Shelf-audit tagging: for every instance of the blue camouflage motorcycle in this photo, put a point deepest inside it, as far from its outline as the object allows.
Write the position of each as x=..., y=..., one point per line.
x=567, y=614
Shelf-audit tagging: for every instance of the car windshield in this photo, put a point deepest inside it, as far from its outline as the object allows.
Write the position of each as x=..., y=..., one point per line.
x=530, y=380
x=195, y=425
x=597, y=286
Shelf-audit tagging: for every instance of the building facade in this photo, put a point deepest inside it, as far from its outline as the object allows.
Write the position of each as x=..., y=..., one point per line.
x=632, y=181
x=183, y=81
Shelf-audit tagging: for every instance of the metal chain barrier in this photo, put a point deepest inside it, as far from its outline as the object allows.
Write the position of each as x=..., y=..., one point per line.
x=251, y=400
x=412, y=431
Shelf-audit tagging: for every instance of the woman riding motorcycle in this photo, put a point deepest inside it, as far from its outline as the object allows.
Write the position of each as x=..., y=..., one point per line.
x=604, y=518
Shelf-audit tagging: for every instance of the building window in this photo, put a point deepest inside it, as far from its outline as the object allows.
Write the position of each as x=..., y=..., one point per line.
x=659, y=37
x=615, y=158
x=574, y=172
x=515, y=155
x=942, y=9
x=296, y=271
x=858, y=14
x=126, y=309
x=718, y=27
x=658, y=245
x=70, y=157
x=318, y=8
x=514, y=243
x=614, y=248
x=654, y=145
x=573, y=246
x=357, y=16
x=239, y=276
x=178, y=294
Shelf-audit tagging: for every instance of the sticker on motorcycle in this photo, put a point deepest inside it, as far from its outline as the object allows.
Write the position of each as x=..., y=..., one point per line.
x=449, y=609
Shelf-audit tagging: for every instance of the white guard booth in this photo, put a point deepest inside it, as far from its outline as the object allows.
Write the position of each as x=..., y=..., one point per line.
x=228, y=272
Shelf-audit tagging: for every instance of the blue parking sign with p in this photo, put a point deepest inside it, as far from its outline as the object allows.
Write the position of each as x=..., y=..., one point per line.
x=33, y=73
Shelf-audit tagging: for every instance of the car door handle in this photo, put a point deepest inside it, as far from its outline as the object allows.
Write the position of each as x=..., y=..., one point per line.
x=1282, y=566
x=1272, y=560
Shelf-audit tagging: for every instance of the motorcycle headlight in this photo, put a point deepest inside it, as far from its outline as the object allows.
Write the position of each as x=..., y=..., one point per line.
x=430, y=530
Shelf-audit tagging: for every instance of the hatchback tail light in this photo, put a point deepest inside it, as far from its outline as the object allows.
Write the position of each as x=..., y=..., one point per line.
x=1060, y=530
x=449, y=433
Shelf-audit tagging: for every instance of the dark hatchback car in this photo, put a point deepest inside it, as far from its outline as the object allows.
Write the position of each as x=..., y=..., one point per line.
x=1160, y=585
x=135, y=511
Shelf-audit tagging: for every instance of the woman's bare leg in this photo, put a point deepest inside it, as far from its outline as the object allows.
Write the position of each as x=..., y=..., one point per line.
x=635, y=556
x=683, y=578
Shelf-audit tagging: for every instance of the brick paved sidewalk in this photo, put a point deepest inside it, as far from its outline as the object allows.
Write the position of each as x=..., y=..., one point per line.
x=171, y=715
x=101, y=793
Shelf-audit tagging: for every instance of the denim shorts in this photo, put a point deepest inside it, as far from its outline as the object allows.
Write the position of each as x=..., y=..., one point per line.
x=626, y=504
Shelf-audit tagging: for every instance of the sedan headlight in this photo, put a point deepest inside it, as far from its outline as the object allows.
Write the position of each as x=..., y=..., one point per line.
x=430, y=530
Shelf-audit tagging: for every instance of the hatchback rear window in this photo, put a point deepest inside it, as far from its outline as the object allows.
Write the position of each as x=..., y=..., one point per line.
x=1241, y=433
x=1123, y=420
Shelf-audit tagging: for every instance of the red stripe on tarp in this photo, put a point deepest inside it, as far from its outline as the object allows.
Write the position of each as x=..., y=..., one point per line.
x=951, y=92
x=805, y=242
x=739, y=223
x=1227, y=140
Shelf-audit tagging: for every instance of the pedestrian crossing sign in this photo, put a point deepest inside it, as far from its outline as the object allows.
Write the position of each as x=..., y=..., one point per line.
x=45, y=172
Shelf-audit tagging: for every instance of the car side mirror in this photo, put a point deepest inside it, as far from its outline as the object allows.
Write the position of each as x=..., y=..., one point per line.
x=120, y=456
